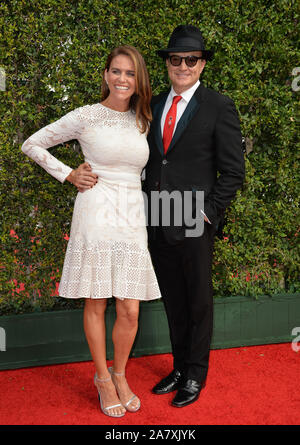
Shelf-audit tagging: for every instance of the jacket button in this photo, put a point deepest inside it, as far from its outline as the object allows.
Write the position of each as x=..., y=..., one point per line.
x=164, y=162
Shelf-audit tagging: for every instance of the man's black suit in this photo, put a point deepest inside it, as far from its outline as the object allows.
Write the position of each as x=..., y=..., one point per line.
x=205, y=154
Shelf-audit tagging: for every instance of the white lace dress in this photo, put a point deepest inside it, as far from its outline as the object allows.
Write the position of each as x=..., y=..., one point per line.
x=107, y=253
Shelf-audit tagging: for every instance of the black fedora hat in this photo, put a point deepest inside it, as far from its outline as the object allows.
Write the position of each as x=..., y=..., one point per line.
x=186, y=38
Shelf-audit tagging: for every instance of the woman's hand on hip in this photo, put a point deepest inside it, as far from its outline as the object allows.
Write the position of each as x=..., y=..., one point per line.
x=82, y=177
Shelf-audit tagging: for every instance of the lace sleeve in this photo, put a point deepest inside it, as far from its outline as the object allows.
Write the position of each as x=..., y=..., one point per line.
x=65, y=129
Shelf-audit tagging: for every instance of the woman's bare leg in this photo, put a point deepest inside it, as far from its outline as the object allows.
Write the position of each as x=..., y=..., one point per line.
x=123, y=336
x=94, y=328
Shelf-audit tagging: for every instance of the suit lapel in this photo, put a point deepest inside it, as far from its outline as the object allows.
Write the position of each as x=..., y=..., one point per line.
x=157, y=113
x=190, y=111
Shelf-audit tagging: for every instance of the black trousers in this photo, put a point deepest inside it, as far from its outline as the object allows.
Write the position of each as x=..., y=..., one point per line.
x=184, y=275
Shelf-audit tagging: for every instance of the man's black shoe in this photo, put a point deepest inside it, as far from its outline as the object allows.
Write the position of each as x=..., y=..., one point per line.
x=188, y=393
x=169, y=383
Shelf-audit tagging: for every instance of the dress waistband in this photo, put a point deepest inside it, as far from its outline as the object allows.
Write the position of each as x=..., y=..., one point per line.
x=118, y=177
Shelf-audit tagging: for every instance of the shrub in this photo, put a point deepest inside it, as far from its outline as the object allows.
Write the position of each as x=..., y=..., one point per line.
x=53, y=54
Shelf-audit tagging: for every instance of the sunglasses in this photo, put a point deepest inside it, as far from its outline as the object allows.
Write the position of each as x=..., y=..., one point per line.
x=190, y=61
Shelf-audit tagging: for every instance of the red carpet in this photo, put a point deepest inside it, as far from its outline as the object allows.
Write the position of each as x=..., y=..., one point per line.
x=245, y=386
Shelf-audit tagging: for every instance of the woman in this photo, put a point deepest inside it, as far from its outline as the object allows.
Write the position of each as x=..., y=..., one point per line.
x=107, y=251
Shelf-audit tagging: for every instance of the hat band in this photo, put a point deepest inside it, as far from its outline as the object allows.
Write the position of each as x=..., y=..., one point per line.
x=187, y=41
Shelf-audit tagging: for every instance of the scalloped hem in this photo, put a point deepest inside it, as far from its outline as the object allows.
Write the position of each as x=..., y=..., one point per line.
x=111, y=296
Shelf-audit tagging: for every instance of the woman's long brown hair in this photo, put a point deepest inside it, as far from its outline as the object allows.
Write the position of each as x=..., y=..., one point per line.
x=140, y=100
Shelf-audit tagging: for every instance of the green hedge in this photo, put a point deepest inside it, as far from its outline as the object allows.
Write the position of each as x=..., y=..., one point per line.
x=53, y=54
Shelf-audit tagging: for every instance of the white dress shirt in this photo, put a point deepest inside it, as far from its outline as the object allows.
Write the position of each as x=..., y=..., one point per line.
x=181, y=106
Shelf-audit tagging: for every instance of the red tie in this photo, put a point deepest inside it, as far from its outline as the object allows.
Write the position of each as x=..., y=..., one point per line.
x=170, y=123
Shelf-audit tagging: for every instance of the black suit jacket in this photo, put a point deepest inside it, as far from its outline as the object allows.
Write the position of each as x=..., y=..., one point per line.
x=205, y=154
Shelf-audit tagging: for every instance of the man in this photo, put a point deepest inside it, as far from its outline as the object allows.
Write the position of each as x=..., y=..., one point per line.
x=195, y=145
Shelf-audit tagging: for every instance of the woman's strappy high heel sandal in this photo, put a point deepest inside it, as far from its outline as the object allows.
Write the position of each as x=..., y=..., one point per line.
x=127, y=404
x=107, y=408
